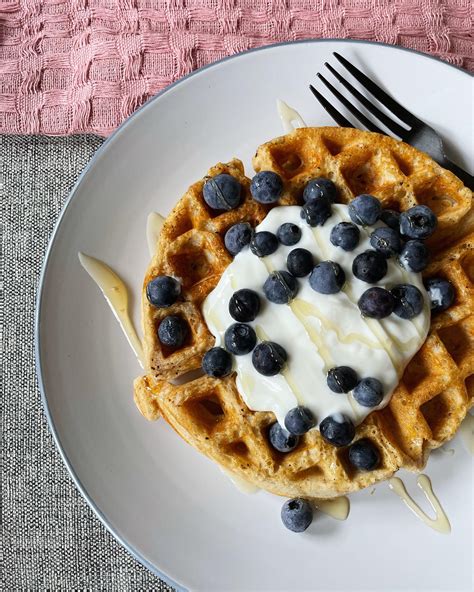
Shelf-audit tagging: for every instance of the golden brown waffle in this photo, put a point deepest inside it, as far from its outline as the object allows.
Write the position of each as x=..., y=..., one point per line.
x=438, y=385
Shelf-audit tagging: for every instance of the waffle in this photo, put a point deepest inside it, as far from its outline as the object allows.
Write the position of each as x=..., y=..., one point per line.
x=437, y=387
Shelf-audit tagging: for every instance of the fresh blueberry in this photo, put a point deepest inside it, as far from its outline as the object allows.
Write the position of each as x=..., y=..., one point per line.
x=163, y=291
x=418, y=222
x=441, y=293
x=386, y=241
x=244, y=305
x=217, y=362
x=266, y=187
x=172, y=331
x=345, y=235
x=327, y=277
x=391, y=219
x=369, y=392
x=363, y=455
x=337, y=430
x=316, y=211
x=365, y=210
x=268, y=358
x=263, y=243
x=376, y=303
x=280, y=287
x=408, y=301
x=299, y=420
x=342, y=379
x=414, y=256
x=320, y=187
x=222, y=192
x=299, y=262
x=297, y=514
x=369, y=266
x=237, y=237
x=289, y=234
x=282, y=440
x=240, y=339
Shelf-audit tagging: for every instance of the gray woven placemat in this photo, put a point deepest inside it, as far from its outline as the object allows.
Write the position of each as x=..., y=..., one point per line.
x=51, y=539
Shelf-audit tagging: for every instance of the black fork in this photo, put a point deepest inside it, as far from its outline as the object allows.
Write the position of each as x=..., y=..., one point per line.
x=419, y=134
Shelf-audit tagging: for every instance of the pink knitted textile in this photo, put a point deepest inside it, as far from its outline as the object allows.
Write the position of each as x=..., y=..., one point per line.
x=69, y=66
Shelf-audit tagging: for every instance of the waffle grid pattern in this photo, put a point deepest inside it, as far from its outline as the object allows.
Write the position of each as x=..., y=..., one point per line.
x=438, y=385
x=85, y=65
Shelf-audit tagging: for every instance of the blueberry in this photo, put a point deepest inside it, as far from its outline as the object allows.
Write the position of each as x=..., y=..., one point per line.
x=441, y=293
x=299, y=262
x=337, y=430
x=222, y=192
x=316, y=211
x=345, y=235
x=369, y=392
x=297, y=514
x=369, y=266
x=217, y=362
x=327, y=277
x=266, y=187
x=363, y=455
x=263, y=243
x=408, y=301
x=376, y=303
x=299, y=420
x=280, y=287
x=237, y=237
x=391, y=219
x=418, y=222
x=240, y=339
x=244, y=305
x=365, y=210
x=386, y=241
x=282, y=440
x=172, y=331
x=342, y=379
x=414, y=256
x=163, y=291
x=320, y=187
x=289, y=234
x=268, y=358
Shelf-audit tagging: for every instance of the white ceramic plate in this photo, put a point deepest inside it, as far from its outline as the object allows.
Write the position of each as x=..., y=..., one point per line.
x=171, y=507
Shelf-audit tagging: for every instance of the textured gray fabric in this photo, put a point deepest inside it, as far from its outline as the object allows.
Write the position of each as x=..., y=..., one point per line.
x=51, y=539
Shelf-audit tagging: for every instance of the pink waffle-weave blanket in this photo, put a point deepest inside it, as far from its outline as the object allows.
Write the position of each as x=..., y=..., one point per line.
x=74, y=66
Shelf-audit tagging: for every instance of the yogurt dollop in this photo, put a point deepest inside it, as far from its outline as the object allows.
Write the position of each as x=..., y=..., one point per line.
x=318, y=331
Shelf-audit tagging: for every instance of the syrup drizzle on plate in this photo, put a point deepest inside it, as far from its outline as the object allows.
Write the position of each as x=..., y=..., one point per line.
x=116, y=294
x=440, y=522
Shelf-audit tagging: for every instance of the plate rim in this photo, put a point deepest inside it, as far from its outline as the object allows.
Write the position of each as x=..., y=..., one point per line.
x=52, y=240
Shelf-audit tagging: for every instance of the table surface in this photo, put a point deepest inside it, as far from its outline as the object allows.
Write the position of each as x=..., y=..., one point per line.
x=51, y=538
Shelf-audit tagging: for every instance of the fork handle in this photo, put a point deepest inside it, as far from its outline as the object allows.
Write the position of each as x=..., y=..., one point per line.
x=465, y=177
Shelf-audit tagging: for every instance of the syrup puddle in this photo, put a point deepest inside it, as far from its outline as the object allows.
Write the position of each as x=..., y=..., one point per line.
x=154, y=224
x=116, y=294
x=288, y=116
x=441, y=522
x=337, y=508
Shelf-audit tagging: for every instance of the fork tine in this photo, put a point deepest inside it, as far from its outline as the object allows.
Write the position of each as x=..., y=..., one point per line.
x=334, y=113
x=379, y=94
x=360, y=116
x=393, y=126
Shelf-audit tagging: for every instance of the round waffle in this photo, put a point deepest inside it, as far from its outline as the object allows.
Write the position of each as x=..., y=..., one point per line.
x=437, y=387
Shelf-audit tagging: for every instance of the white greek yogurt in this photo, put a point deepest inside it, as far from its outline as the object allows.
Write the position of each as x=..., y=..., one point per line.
x=318, y=331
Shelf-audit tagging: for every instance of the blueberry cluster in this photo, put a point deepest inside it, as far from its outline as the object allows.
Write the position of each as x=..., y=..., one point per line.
x=162, y=292
x=368, y=392
x=268, y=357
